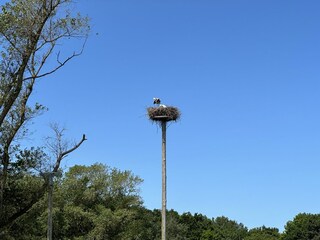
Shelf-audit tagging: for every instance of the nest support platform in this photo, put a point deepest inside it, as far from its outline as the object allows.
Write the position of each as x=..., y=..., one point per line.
x=163, y=114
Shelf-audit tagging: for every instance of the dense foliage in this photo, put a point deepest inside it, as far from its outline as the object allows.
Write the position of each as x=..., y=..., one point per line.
x=303, y=227
x=99, y=202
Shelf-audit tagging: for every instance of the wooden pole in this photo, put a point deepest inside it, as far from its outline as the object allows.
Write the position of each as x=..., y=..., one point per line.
x=50, y=191
x=164, y=180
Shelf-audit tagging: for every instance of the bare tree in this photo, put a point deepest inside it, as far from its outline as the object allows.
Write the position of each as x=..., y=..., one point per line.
x=59, y=147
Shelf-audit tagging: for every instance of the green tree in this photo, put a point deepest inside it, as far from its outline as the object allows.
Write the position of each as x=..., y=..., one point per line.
x=99, y=202
x=33, y=224
x=99, y=184
x=304, y=226
x=224, y=229
x=196, y=224
x=30, y=32
x=90, y=202
x=176, y=230
x=263, y=233
x=145, y=224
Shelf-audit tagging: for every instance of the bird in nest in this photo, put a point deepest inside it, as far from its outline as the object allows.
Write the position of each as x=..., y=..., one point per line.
x=157, y=101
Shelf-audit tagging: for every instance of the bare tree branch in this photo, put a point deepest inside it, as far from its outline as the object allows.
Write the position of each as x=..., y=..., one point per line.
x=65, y=153
x=61, y=64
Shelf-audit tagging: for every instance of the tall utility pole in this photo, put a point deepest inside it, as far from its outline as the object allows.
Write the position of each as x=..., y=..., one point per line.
x=164, y=180
x=49, y=177
x=50, y=191
x=161, y=115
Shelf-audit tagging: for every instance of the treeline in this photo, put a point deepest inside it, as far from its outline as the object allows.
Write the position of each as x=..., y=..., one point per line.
x=98, y=202
x=90, y=202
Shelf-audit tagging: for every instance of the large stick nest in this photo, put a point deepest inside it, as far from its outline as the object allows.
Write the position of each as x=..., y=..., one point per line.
x=163, y=113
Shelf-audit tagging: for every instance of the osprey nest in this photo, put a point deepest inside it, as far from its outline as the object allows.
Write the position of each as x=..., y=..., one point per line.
x=159, y=114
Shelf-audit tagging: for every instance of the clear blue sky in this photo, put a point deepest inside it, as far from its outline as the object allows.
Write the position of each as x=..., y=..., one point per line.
x=245, y=75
